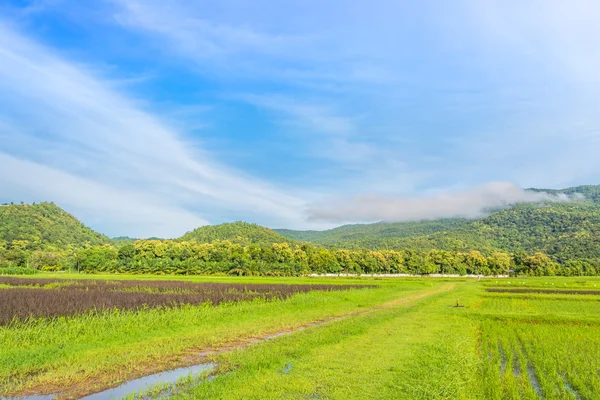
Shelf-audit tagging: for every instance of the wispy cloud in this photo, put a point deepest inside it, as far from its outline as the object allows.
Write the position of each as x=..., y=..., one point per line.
x=140, y=214
x=488, y=92
x=204, y=41
x=504, y=79
x=64, y=118
x=471, y=203
x=327, y=133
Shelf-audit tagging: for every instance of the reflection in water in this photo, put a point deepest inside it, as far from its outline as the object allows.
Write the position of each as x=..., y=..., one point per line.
x=147, y=382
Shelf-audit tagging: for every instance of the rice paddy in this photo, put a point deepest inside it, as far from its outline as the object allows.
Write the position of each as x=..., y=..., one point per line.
x=534, y=338
x=22, y=299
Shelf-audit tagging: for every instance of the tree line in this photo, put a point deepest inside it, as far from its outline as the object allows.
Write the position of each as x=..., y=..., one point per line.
x=281, y=259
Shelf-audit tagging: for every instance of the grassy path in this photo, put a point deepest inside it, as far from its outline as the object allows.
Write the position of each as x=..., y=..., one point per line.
x=418, y=348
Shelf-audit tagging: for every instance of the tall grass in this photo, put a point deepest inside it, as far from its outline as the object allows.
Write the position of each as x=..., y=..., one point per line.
x=17, y=271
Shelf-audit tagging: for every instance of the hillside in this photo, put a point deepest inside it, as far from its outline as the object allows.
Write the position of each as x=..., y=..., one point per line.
x=563, y=230
x=236, y=232
x=42, y=225
x=363, y=234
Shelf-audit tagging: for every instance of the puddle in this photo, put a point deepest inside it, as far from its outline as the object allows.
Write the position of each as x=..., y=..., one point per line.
x=168, y=379
x=516, y=367
x=287, y=369
x=571, y=390
x=148, y=382
x=534, y=380
x=502, y=360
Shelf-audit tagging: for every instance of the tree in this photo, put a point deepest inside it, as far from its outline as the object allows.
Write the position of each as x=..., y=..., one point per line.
x=539, y=265
x=126, y=254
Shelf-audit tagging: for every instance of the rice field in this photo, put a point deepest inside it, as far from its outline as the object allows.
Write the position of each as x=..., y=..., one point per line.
x=534, y=338
x=29, y=299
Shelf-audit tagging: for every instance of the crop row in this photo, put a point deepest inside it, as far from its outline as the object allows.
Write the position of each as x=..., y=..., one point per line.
x=544, y=291
x=28, y=299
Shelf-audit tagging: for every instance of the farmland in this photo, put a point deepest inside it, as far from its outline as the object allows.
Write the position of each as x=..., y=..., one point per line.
x=328, y=338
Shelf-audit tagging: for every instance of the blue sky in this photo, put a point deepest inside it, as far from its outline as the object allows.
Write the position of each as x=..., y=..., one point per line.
x=150, y=118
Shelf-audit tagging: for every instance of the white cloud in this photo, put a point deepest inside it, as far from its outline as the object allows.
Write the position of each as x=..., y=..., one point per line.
x=398, y=97
x=62, y=116
x=471, y=203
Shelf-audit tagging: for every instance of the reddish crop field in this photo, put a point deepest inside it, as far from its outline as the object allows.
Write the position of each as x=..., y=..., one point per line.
x=23, y=299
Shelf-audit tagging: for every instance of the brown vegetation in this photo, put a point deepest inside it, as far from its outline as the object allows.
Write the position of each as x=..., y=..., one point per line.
x=41, y=298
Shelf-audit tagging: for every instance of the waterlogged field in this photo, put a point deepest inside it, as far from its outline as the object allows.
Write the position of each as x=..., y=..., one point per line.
x=303, y=338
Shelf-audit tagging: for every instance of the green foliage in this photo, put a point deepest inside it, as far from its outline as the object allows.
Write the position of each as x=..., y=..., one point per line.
x=563, y=230
x=281, y=259
x=122, y=240
x=39, y=226
x=236, y=232
x=369, y=235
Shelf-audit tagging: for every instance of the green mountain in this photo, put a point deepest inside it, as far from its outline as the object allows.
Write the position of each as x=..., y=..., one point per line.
x=38, y=226
x=236, y=232
x=370, y=235
x=564, y=230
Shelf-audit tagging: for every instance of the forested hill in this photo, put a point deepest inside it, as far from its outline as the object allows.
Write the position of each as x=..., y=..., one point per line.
x=569, y=230
x=38, y=226
x=237, y=232
x=363, y=233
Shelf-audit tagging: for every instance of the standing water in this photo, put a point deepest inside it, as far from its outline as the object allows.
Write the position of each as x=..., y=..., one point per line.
x=147, y=382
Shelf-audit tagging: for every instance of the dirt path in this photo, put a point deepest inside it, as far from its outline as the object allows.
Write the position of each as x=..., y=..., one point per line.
x=194, y=356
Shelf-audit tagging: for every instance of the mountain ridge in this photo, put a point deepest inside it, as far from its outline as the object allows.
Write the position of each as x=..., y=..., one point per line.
x=565, y=230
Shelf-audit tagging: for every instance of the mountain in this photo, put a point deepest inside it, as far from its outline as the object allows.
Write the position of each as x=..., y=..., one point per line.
x=236, y=232
x=369, y=235
x=563, y=230
x=44, y=224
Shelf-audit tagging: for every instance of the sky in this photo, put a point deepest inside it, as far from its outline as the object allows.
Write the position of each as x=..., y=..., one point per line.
x=151, y=118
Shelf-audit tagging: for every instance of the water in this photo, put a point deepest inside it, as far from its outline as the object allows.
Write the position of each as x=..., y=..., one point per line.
x=569, y=389
x=534, y=380
x=147, y=382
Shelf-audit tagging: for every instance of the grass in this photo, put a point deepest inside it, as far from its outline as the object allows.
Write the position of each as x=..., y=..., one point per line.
x=375, y=355
x=18, y=271
x=95, y=350
x=496, y=347
x=407, y=351
x=403, y=339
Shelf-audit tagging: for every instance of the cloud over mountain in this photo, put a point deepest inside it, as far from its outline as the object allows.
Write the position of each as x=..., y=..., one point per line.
x=472, y=203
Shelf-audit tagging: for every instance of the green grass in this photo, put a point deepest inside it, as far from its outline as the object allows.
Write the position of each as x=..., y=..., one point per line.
x=106, y=348
x=496, y=347
x=18, y=271
x=409, y=351
x=400, y=340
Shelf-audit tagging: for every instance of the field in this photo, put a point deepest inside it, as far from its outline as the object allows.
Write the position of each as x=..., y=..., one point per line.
x=303, y=338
